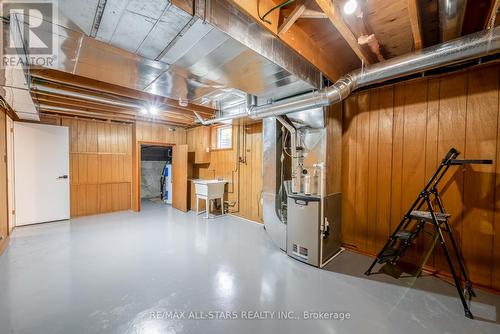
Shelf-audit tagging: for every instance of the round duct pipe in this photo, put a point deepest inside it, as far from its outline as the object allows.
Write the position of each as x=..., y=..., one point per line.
x=469, y=47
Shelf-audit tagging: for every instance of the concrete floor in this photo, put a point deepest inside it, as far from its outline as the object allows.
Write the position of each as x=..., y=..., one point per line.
x=123, y=273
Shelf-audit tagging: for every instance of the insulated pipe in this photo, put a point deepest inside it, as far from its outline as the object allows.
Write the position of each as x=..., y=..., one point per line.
x=451, y=18
x=469, y=47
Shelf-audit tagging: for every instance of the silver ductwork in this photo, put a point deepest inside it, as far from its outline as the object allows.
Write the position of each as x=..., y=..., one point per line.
x=451, y=18
x=469, y=47
x=15, y=80
x=212, y=58
x=272, y=188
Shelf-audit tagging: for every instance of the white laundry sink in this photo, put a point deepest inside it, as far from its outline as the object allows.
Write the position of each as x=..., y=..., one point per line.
x=209, y=190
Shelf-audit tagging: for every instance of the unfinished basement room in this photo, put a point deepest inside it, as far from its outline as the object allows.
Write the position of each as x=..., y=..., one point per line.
x=250, y=166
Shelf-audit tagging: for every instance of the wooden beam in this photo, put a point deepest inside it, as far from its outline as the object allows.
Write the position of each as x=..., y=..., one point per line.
x=102, y=113
x=296, y=38
x=490, y=21
x=80, y=82
x=44, y=96
x=333, y=14
x=290, y=20
x=90, y=115
x=85, y=114
x=73, y=89
x=313, y=14
x=416, y=27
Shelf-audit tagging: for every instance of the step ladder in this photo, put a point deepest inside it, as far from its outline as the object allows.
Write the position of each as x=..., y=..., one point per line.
x=414, y=221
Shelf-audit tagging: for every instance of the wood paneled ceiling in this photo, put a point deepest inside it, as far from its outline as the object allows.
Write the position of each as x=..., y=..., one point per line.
x=378, y=30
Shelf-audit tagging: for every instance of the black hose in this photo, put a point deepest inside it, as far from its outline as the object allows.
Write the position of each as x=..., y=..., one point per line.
x=263, y=18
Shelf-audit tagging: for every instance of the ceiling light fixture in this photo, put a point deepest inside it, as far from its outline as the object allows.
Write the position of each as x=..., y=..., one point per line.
x=153, y=110
x=350, y=7
x=150, y=110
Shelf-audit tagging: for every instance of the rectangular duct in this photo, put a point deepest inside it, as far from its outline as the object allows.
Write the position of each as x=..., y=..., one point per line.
x=214, y=58
x=14, y=78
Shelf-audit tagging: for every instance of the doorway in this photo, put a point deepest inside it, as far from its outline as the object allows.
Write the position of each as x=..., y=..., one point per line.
x=156, y=174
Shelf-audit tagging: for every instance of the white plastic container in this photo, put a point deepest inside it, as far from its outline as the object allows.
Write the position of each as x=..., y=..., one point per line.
x=307, y=183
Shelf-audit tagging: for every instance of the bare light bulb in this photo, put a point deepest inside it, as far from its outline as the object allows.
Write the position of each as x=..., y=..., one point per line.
x=153, y=110
x=350, y=7
x=144, y=111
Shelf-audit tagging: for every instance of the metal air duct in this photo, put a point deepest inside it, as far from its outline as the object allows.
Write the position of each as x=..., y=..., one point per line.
x=466, y=48
x=451, y=18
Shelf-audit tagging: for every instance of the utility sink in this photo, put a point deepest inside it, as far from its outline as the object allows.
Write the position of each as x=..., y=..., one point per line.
x=209, y=190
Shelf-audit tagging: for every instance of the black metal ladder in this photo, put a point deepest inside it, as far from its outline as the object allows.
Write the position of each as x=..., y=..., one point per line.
x=405, y=233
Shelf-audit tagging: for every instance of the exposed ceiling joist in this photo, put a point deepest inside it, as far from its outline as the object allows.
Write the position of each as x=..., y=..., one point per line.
x=63, y=101
x=51, y=114
x=313, y=14
x=66, y=94
x=44, y=100
x=41, y=95
x=296, y=38
x=333, y=14
x=416, y=27
x=80, y=112
x=89, y=114
x=90, y=84
x=104, y=113
x=290, y=20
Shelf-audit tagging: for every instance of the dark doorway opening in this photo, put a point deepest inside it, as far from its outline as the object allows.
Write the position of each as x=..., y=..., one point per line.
x=156, y=173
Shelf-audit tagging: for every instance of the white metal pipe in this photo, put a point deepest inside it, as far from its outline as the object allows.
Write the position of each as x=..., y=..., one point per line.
x=321, y=167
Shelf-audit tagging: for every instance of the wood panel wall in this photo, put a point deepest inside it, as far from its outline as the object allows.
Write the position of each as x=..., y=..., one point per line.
x=334, y=149
x=100, y=165
x=250, y=204
x=159, y=133
x=392, y=141
x=150, y=133
x=245, y=177
x=4, y=226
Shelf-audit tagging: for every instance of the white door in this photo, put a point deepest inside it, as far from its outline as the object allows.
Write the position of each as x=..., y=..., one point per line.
x=10, y=172
x=41, y=159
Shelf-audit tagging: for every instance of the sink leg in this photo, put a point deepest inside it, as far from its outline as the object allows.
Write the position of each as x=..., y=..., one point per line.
x=207, y=209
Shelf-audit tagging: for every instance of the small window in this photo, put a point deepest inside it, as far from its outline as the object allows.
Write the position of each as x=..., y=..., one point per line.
x=224, y=137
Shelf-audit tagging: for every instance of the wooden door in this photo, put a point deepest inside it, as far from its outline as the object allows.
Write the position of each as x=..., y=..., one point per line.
x=179, y=177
